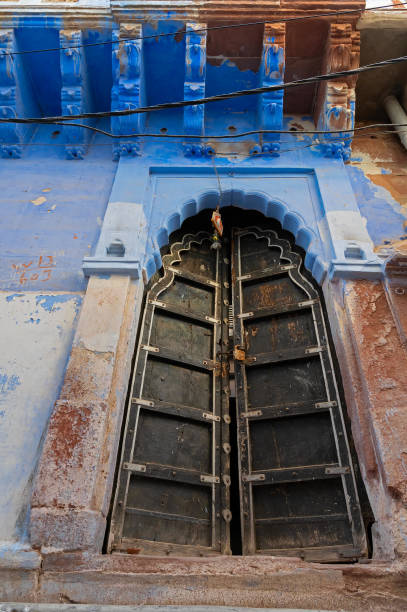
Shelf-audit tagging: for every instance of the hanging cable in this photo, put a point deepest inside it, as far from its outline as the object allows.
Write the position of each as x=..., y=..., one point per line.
x=382, y=133
x=225, y=136
x=389, y=7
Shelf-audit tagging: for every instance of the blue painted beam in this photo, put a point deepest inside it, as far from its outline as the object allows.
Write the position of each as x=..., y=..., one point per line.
x=194, y=87
x=128, y=89
x=76, y=95
x=270, y=110
x=16, y=97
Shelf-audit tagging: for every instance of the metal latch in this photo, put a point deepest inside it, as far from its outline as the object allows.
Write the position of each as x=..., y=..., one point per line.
x=251, y=413
x=151, y=349
x=134, y=467
x=157, y=303
x=337, y=470
x=326, y=404
x=143, y=402
x=245, y=315
x=211, y=417
x=253, y=477
x=212, y=320
x=308, y=303
x=210, y=479
x=312, y=350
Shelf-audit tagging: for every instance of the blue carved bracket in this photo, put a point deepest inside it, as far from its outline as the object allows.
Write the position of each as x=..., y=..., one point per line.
x=337, y=99
x=128, y=90
x=194, y=87
x=272, y=73
x=75, y=91
x=16, y=99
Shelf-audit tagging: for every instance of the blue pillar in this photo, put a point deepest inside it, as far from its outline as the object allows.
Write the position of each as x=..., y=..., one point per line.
x=75, y=92
x=16, y=97
x=128, y=90
x=272, y=73
x=194, y=87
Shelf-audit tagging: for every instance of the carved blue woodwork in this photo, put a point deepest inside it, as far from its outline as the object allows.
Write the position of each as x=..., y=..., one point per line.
x=16, y=98
x=194, y=87
x=337, y=99
x=75, y=91
x=336, y=115
x=128, y=90
x=272, y=73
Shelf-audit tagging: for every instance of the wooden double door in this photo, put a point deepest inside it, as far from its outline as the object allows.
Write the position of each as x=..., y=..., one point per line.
x=234, y=427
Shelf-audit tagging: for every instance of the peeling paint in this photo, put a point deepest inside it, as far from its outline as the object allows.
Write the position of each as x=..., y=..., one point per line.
x=8, y=382
x=48, y=302
x=38, y=201
x=384, y=215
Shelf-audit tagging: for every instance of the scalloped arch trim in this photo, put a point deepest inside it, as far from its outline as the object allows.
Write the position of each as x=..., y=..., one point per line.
x=290, y=220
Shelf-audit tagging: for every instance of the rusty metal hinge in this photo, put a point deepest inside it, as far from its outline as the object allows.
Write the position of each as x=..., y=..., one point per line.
x=253, y=477
x=134, y=467
x=239, y=352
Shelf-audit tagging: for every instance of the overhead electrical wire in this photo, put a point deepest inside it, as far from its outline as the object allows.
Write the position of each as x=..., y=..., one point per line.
x=183, y=103
x=383, y=133
x=239, y=154
x=390, y=7
x=230, y=136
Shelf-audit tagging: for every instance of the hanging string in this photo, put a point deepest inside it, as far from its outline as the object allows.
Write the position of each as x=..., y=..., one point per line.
x=216, y=216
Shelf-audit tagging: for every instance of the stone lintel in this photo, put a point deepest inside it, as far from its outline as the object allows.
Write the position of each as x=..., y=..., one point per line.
x=355, y=269
x=111, y=265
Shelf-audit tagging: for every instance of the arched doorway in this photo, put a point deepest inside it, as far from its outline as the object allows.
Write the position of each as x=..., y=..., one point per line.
x=234, y=439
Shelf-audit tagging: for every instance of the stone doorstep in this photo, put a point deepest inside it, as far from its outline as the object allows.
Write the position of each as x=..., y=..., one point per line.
x=112, y=581
x=31, y=607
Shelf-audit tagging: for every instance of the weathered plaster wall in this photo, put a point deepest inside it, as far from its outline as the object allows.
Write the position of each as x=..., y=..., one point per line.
x=378, y=174
x=51, y=211
x=36, y=334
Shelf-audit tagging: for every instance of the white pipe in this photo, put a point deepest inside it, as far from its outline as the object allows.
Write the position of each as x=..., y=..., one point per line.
x=397, y=115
